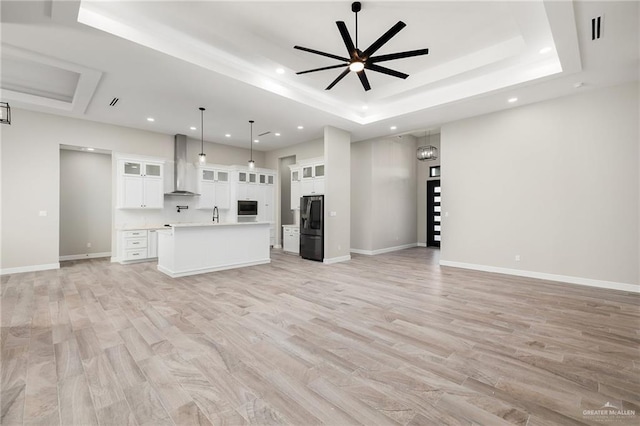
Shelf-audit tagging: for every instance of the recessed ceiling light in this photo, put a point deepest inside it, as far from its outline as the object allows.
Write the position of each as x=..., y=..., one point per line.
x=300, y=127
x=256, y=140
x=280, y=70
x=545, y=50
x=512, y=100
x=578, y=85
x=90, y=149
x=393, y=127
x=277, y=134
x=365, y=107
x=227, y=135
x=151, y=119
x=192, y=128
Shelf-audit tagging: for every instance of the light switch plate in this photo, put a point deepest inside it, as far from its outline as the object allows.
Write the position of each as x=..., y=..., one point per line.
x=42, y=213
x=332, y=214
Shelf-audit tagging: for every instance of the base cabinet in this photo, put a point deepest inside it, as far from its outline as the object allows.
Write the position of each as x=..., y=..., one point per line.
x=138, y=245
x=291, y=239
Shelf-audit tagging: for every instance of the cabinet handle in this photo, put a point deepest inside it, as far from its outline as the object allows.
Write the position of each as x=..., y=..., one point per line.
x=135, y=254
x=135, y=243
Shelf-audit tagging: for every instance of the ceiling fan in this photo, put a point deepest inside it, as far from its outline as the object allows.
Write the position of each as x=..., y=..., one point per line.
x=360, y=60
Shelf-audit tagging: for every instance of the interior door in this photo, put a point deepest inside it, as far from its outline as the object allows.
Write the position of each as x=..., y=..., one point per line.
x=433, y=213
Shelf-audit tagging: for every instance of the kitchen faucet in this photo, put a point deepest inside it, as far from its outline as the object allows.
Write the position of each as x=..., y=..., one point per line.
x=216, y=215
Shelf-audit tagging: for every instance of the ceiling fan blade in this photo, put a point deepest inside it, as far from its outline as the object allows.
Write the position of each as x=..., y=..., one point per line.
x=364, y=80
x=383, y=70
x=317, y=52
x=322, y=69
x=399, y=55
x=342, y=27
x=340, y=77
x=383, y=39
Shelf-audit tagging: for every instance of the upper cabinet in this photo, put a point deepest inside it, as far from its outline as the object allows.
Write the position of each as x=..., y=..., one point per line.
x=312, y=182
x=140, y=184
x=214, y=188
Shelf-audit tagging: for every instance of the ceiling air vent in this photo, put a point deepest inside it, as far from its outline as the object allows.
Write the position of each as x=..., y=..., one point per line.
x=596, y=27
x=114, y=101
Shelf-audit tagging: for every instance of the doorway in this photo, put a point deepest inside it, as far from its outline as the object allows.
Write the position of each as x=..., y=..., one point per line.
x=284, y=172
x=433, y=213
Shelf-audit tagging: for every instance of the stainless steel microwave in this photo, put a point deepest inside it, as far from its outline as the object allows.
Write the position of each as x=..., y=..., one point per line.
x=247, y=208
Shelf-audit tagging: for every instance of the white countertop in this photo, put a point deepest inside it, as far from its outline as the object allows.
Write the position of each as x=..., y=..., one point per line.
x=196, y=224
x=291, y=226
x=139, y=227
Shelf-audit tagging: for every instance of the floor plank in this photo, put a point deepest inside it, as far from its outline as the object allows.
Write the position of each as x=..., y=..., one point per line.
x=391, y=339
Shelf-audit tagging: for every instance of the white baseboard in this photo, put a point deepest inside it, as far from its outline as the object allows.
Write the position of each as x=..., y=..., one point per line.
x=336, y=259
x=84, y=256
x=115, y=259
x=544, y=276
x=384, y=250
x=422, y=244
x=277, y=246
x=31, y=268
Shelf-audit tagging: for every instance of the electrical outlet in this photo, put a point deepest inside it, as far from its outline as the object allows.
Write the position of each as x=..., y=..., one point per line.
x=517, y=259
x=88, y=245
x=42, y=213
x=339, y=247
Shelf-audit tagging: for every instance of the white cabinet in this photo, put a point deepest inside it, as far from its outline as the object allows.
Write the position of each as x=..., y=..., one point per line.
x=138, y=245
x=214, y=188
x=152, y=244
x=295, y=187
x=140, y=184
x=291, y=238
x=256, y=185
x=312, y=181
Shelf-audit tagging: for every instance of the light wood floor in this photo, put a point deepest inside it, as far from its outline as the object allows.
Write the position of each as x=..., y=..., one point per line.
x=390, y=339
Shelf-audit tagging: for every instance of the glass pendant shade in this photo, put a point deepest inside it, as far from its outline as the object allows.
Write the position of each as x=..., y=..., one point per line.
x=5, y=113
x=426, y=153
x=202, y=158
x=252, y=164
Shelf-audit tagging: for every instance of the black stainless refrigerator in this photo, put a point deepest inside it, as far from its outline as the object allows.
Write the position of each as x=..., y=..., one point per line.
x=312, y=227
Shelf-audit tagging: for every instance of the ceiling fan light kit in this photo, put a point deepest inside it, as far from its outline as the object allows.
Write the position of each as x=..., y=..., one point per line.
x=360, y=60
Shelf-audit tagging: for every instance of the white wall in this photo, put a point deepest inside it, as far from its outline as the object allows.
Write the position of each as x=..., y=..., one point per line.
x=383, y=203
x=30, y=155
x=85, y=203
x=555, y=182
x=422, y=173
x=337, y=199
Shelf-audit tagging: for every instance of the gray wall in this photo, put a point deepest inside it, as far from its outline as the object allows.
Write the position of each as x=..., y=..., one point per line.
x=286, y=214
x=337, y=165
x=85, y=203
x=555, y=182
x=383, y=203
x=422, y=176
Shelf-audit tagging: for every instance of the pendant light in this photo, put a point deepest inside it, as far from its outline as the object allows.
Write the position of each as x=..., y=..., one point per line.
x=5, y=113
x=202, y=157
x=427, y=152
x=252, y=163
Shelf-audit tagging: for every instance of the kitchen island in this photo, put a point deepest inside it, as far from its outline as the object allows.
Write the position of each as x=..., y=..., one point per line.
x=197, y=248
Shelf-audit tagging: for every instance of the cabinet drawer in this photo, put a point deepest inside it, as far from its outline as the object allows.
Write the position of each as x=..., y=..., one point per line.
x=135, y=243
x=135, y=254
x=129, y=234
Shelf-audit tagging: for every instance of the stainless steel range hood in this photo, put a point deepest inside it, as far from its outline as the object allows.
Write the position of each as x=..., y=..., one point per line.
x=180, y=168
